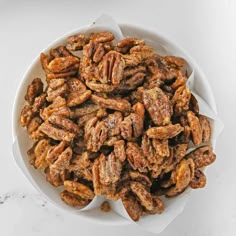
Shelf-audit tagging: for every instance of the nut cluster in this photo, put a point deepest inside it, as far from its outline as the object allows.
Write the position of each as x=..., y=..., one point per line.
x=116, y=121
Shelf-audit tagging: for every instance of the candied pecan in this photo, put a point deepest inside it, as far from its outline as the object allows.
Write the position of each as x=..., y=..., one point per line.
x=54, y=93
x=55, y=106
x=55, y=151
x=84, y=109
x=102, y=37
x=179, y=152
x=202, y=156
x=56, y=83
x=193, y=105
x=135, y=157
x=95, y=135
x=131, y=127
x=138, y=109
x=164, y=132
x=158, y=206
x=34, y=90
x=28, y=112
x=78, y=93
x=125, y=44
x=40, y=152
x=60, y=51
x=106, y=173
x=81, y=166
x=199, y=179
x=131, y=83
x=137, y=55
x=78, y=189
x=56, y=170
x=143, y=195
x=62, y=64
x=130, y=71
x=111, y=68
x=180, y=81
x=157, y=105
x=26, y=115
x=118, y=104
x=105, y=207
x=132, y=206
x=195, y=126
x=73, y=200
x=56, y=133
x=181, y=99
x=39, y=102
x=181, y=177
x=140, y=177
x=77, y=42
x=65, y=66
x=119, y=150
x=206, y=128
x=33, y=126
x=161, y=147
x=99, y=87
x=65, y=123
x=177, y=61
x=99, y=53
x=113, y=122
x=112, y=140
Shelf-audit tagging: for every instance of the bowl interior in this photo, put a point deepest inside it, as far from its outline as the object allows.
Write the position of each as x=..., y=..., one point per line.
x=23, y=143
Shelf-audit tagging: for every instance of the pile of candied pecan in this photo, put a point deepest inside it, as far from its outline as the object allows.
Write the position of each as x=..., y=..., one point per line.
x=116, y=119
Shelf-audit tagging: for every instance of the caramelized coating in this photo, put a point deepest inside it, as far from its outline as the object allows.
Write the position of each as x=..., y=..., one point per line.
x=117, y=120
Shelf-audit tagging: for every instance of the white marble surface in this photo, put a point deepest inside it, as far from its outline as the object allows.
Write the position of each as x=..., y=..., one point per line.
x=203, y=29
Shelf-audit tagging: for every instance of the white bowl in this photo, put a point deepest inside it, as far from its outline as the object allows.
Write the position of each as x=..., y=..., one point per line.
x=22, y=142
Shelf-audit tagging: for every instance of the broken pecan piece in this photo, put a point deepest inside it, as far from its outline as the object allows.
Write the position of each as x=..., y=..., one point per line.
x=199, y=179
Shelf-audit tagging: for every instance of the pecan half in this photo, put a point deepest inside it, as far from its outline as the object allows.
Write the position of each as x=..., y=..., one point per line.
x=206, y=128
x=181, y=177
x=56, y=133
x=117, y=104
x=164, y=132
x=77, y=42
x=131, y=127
x=112, y=68
x=132, y=206
x=135, y=157
x=195, y=126
x=73, y=200
x=202, y=156
x=157, y=105
x=78, y=189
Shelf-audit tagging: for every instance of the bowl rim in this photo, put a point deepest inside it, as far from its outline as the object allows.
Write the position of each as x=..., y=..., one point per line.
x=140, y=27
